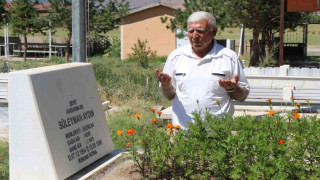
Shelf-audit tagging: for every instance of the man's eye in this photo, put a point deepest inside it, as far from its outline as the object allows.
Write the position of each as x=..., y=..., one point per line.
x=201, y=31
x=190, y=30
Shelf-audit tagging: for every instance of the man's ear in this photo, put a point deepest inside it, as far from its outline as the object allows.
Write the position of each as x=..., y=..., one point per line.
x=214, y=32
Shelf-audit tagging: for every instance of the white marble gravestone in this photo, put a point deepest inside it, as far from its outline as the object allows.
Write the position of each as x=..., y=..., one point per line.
x=57, y=123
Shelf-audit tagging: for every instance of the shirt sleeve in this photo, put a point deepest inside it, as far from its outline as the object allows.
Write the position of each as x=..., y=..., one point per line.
x=169, y=67
x=241, y=91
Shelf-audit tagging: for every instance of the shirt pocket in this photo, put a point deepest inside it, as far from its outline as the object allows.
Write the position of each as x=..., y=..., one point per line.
x=215, y=88
x=180, y=81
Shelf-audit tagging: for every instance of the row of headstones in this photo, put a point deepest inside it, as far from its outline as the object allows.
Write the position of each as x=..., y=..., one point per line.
x=57, y=122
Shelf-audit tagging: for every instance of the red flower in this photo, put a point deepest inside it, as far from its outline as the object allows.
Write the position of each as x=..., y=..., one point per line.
x=129, y=144
x=153, y=109
x=281, y=141
x=130, y=131
x=159, y=113
x=269, y=100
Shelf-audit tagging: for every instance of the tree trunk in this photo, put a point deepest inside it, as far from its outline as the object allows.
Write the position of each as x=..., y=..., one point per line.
x=255, y=46
x=262, y=45
x=25, y=48
x=269, y=43
x=68, y=47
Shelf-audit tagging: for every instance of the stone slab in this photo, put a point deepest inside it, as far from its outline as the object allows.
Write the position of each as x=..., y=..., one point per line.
x=57, y=123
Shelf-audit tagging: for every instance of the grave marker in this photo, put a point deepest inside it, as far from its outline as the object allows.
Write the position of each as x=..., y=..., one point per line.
x=57, y=123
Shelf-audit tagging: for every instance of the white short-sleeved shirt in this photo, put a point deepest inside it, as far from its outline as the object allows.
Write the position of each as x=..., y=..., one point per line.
x=197, y=80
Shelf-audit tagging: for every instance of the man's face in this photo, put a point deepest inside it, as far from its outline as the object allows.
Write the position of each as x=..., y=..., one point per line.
x=200, y=35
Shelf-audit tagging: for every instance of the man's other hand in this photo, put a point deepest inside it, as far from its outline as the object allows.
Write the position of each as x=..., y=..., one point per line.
x=164, y=78
x=229, y=84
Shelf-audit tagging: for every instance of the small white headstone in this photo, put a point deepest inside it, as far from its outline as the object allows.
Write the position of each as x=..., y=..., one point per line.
x=284, y=70
x=57, y=123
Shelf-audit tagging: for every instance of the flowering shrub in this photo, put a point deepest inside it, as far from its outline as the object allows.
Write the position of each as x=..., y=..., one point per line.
x=244, y=147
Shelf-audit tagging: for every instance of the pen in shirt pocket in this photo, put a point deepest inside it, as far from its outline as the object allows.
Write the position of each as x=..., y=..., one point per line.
x=218, y=74
x=180, y=74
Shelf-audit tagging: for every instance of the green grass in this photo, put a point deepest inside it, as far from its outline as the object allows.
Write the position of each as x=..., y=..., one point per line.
x=20, y=65
x=314, y=35
x=4, y=160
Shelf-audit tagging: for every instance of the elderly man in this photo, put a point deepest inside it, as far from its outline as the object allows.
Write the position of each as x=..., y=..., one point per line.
x=202, y=75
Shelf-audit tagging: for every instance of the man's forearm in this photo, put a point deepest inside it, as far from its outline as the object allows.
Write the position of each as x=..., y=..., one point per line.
x=239, y=93
x=168, y=91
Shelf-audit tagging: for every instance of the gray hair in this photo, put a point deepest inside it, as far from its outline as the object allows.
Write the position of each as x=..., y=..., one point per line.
x=201, y=15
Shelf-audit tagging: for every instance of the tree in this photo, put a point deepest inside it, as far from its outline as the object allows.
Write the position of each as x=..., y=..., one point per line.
x=24, y=20
x=3, y=12
x=212, y=6
x=103, y=18
x=60, y=15
x=262, y=16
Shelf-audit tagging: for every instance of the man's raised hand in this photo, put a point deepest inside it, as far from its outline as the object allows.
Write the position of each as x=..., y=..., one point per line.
x=229, y=84
x=164, y=78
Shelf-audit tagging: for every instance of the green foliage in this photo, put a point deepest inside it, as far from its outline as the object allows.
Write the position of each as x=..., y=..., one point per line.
x=114, y=50
x=273, y=147
x=4, y=163
x=106, y=17
x=60, y=13
x=261, y=16
x=60, y=16
x=98, y=44
x=24, y=18
x=3, y=12
x=125, y=80
x=56, y=60
x=21, y=65
x=142, y=54
x=212, y=6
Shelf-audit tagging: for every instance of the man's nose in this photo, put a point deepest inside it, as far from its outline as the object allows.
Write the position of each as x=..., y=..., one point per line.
x=195, y=34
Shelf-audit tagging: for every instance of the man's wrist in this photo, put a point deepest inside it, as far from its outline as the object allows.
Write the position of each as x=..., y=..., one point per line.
x=231, y=90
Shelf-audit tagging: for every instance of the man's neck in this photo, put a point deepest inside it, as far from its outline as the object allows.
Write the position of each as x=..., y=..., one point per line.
x=202, y=53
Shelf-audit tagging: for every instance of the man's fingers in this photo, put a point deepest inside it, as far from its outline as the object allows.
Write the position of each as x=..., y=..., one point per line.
x=157, y=72
x=236, y=78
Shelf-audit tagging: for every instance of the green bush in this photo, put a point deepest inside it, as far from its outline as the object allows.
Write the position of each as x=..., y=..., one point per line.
x=273, y=147
x=114, y=50
x=142, y=54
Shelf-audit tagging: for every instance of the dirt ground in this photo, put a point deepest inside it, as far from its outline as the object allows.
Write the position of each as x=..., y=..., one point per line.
x=122, y=169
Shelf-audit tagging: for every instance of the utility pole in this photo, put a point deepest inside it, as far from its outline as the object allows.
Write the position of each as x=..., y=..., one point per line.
x=50, y=40
x=281, y=33
x=78, y=31
x=5, y=40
